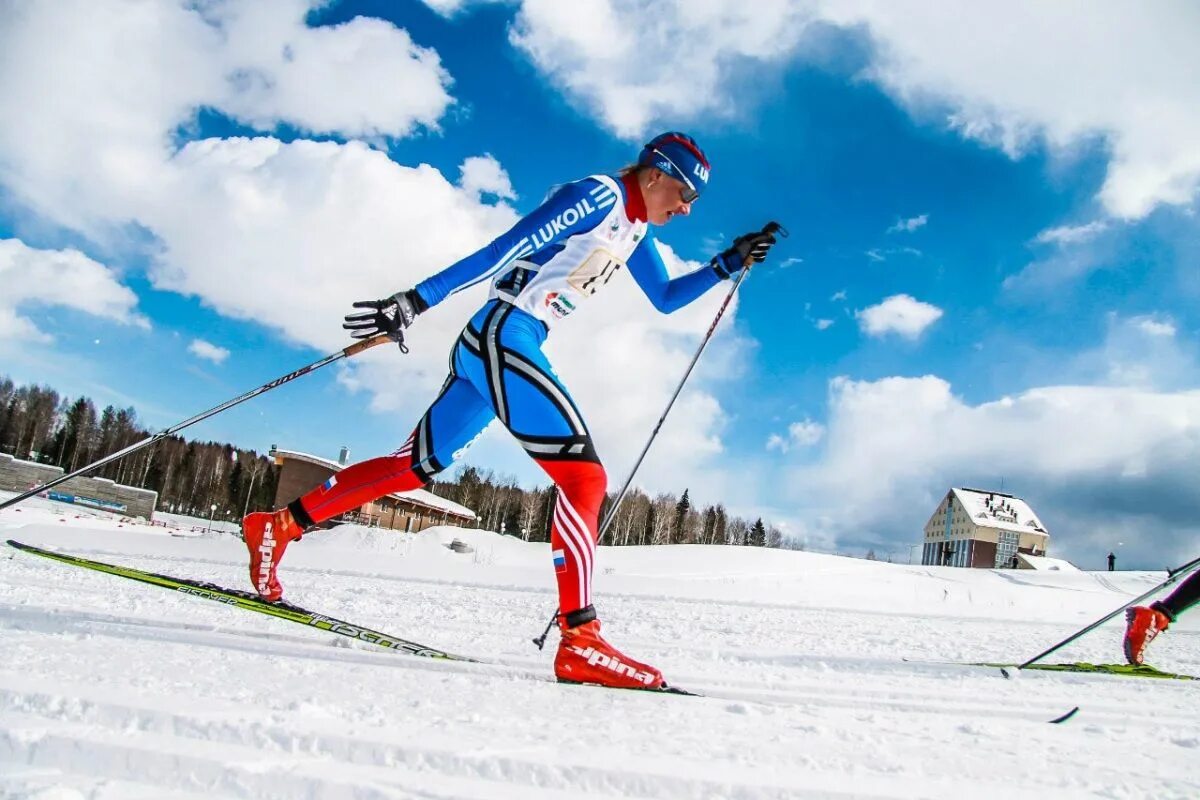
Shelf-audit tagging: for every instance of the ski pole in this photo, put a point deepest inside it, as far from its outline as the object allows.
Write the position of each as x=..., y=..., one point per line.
x=1172, y=576
x=346, y=352
x=771, y=227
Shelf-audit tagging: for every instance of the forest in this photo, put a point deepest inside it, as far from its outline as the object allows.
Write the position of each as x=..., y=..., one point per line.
x=39, y=424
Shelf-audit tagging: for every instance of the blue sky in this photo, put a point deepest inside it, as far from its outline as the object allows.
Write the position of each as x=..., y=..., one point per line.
x=990, y=274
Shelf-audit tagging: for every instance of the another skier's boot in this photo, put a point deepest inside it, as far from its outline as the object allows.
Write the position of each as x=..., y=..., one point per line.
x=585, y=657
x=1143, y=624
x=267, y=535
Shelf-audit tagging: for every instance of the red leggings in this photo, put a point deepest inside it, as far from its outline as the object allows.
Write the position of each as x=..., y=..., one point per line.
x=498, y=371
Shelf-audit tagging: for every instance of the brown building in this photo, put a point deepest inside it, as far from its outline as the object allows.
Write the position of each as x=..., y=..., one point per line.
x=406, y=511
x=978, y=528
x=19, y=476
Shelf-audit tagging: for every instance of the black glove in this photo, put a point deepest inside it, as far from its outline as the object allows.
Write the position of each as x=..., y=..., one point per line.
x=750, y=246
x=389, y=316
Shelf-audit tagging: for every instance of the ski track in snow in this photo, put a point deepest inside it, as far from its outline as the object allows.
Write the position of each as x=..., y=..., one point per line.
x=113, y=689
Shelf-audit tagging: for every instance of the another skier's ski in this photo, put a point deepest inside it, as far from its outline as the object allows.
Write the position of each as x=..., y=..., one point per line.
x=250, y=602
x=1123, y=670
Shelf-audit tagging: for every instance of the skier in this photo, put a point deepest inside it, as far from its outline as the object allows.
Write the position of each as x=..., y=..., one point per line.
x=1143, y=623
x=541, y=269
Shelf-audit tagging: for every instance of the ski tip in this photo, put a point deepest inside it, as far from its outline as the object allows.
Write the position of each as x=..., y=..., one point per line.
x=1011, y=673
x=1065, y=717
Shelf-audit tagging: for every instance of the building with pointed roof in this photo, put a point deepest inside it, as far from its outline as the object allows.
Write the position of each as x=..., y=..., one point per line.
x=984, y=529
x=413, y=510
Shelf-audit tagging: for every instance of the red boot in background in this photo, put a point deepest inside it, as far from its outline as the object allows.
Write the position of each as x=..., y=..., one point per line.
x=267, y=535
x=1143, y=624
x=585, y=657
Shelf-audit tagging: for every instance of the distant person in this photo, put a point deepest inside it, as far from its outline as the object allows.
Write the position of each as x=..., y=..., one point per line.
x=1144, y=623
x=555, y=258
x=1112, y=562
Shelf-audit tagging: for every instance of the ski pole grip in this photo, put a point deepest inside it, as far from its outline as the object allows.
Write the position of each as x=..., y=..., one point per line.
x=365, y=344
x=771, y=227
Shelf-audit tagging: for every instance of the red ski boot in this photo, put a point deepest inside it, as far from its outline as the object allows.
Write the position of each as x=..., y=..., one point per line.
x=267, y=535
x=584, y=657
x=1143, y=624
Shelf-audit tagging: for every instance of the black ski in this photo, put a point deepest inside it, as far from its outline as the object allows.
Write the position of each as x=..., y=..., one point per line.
x=250, y=602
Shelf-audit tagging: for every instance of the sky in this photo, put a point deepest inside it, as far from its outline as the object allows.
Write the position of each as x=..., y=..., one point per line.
x=989, y=280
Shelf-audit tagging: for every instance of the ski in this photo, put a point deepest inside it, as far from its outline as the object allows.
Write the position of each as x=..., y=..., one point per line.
x=664, y=689
x=250, y=602
x=1123, y=670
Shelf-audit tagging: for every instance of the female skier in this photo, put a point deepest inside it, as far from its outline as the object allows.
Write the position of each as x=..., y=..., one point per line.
x=541, y=270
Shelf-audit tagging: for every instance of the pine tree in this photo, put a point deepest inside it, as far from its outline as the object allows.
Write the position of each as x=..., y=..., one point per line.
x=676, y=533
x=757, y=535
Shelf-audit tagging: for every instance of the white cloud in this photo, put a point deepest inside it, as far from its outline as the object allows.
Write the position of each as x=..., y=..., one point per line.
x=287, y=235
x=449, y=8
x=484, y=175
x=1091, y=460
x=1029, y=71
x=1071, y=234
x=208, y=351
x=637, y=64
x=805, y=433
x=900, y=314
x=875, y=254
x=823, y=324
x=57, y=278
x=909, y=225
x=103, y=88
x=1141, y=351
x=1026, y=72
x=1156, y=327
x=838, y=297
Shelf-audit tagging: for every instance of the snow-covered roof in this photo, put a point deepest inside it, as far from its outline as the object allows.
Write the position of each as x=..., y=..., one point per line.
x=1047, y=564
x=998, y=510
x=418, y=496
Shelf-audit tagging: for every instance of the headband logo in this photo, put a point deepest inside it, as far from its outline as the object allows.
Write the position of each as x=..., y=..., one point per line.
x=700, y=172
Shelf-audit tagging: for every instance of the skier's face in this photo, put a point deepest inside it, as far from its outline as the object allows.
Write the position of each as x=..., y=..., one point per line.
x=664, y=198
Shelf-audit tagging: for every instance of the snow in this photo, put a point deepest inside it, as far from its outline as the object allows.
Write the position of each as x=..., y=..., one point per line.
x=1045, y=563
x=113, y=689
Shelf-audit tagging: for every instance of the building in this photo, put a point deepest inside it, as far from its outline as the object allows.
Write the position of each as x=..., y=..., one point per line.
x=20, y=476
x=978, y=528
x=406, y=511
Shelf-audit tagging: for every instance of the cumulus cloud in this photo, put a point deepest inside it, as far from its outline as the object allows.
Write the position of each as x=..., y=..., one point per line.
x=1025, y=74
x=1088, y=458
x=483, y=175
x=909, y=225
x=900, y=314
x=805, y=433
x=208, y=351
x=57, y=278
x=637, y=64
x=288, y=234
x=1028, y=73
x=99, y=119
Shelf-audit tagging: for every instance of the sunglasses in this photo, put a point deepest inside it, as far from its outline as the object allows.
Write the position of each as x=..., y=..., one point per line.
x=689, y=193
